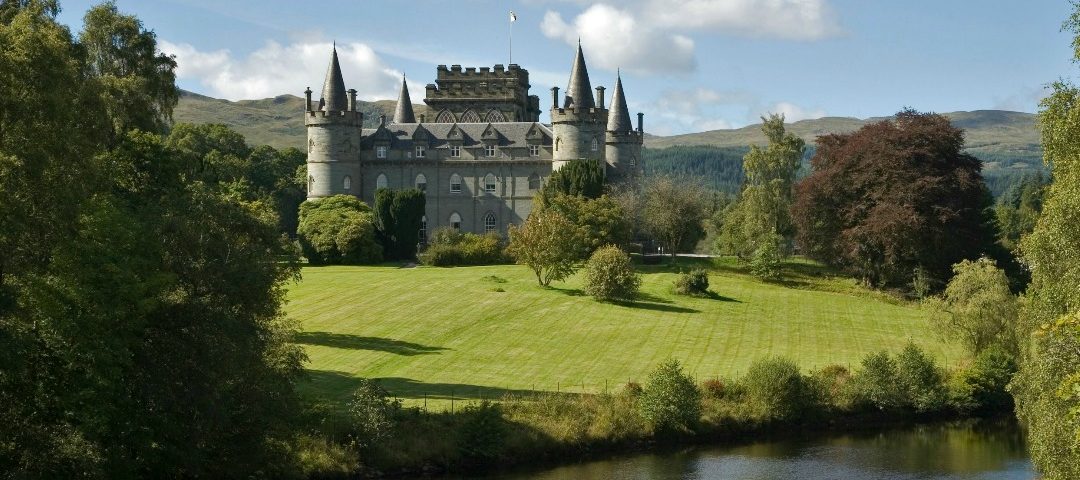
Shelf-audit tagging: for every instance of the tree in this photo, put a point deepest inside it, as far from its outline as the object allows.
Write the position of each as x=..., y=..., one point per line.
x=338, y=230
x=977, y=309
x=673, y=210
x=138, y=83
x=583, y=178
x=398, y=217
x=762, y=211
x=600, y=221
x=893, y=196
x=545, y=243
x=670, y=400
x=609, y=275
x=1046, y=384
x=1018, y=208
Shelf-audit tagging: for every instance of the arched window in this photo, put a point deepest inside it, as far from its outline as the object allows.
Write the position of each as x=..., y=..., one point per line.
x=380, y=181
x=455, y=183
x=534, y=181
x=445, y=117
x=489, y=183
x=455, y=221
x=423, y=230
x=346, y=183
x=633, y=160
x=558, y=143
x=470, y=117
x=594, y=145
x=494, y=116
x=310, y=182
x=490, y=223
x=421, y=182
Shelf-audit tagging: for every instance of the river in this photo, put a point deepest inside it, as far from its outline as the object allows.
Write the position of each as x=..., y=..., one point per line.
x=966, y=450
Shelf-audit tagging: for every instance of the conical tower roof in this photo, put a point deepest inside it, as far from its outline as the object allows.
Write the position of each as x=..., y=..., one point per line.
x=579, y=92
x=404, y=112
x=333, y=90
x=619, y=116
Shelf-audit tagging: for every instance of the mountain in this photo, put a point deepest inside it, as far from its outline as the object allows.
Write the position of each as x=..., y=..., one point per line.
x=1007, y=142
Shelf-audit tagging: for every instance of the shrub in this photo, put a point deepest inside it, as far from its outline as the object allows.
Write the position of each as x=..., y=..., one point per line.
x=695, y=282
x=920, y=380
x=633, y=389
x=832, y=383
x=670, y=400
x=985, y=382
x=481, y=432
x=338, y=229
x=713, y=388
x=777, y=390
x=876, y=383
x=372, y=414
x=449, y=247
x=765, y=262
x=609, y=275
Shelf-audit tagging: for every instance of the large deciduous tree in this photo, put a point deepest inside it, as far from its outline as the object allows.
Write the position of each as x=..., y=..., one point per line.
x=1047, y=386
x=338, y=230
x=977, y=309
x=547, y=244
x=599, y=221
x=762, y=212
x=892, y=197
x=674, y=210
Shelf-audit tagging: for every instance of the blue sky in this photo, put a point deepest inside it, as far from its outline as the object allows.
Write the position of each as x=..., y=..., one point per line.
x=690, y=65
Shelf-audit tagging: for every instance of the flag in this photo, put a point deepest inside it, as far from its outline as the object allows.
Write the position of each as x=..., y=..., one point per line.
x=513, y=16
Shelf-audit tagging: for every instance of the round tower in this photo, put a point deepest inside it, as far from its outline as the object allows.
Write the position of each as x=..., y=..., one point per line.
x=622, y=150
x=333, y=143
x=578, y=125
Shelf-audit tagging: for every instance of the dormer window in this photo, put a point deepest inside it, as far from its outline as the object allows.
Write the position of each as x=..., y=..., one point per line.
x=420, y=151
x=489, y=150
x=455, y=151
x=380, y=151
x=534, y=150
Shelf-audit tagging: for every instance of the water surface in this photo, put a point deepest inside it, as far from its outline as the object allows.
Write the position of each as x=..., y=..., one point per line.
x=968, y=450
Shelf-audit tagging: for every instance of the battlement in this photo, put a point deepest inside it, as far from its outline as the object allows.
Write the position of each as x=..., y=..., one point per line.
x=579, y=115
x=320, y=117
x=500, y=88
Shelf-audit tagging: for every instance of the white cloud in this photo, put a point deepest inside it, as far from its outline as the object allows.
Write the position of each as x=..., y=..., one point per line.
x=651, y=36
x=275, y=69
x=794, y=113
x=614, y=38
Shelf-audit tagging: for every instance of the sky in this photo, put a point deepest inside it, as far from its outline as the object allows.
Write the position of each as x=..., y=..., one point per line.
x=689, y=65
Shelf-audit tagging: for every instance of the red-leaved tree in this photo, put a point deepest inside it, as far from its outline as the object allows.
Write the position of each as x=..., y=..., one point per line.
x=892, y=197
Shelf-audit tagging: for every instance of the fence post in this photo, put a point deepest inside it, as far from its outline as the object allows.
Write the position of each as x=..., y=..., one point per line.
x=451, y=402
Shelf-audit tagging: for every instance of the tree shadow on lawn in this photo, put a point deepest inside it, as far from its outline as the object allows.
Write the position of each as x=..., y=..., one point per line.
x=329, y=384
x=356, y=342
x=659, y=307
x=720, y=298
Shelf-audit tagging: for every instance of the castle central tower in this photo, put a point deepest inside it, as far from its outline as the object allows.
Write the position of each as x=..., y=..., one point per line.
x=579, y=123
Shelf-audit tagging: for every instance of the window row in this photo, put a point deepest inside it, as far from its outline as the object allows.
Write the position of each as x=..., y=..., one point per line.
x=491, y=223
x=420, y=151
x=489, y=185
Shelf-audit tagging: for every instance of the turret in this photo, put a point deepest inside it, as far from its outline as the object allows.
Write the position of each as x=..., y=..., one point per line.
x=579, y=124
x=333, y=161
x=404, y=111
x=622, y=149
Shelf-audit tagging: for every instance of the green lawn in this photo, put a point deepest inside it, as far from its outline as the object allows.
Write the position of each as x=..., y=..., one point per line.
x=442, y=332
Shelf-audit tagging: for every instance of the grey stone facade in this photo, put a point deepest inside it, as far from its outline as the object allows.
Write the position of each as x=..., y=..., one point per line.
x=479, y=174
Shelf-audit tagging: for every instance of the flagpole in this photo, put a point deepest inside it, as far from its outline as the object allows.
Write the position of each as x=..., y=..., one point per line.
x=511, y=39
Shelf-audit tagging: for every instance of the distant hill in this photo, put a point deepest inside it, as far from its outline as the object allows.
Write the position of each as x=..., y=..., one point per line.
x=1007, y=142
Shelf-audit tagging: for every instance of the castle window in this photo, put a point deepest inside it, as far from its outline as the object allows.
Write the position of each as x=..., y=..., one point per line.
x=633, y=161
x=380, y=152
x=421, y=182
x=347, y=183
x=423, y=230
x=455, y=183
x=455, y=221
x=558, y=142
x=470, y=116
x=444, y=117
x=490, y=222
x=489, y=183
x=310, y=183
x=419, y=151
x=594, y=146
x=534, y=181
x=380, y=181
x=534, y=150
x=489, y=150
x=455, y=151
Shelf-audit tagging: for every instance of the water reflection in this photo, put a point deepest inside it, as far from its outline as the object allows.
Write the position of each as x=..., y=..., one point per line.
x=969, y=450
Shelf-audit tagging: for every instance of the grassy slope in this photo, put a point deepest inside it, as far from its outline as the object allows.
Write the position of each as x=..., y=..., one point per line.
x=443, y=332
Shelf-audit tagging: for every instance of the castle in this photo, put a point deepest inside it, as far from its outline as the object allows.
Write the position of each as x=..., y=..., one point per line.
x=483, y=157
